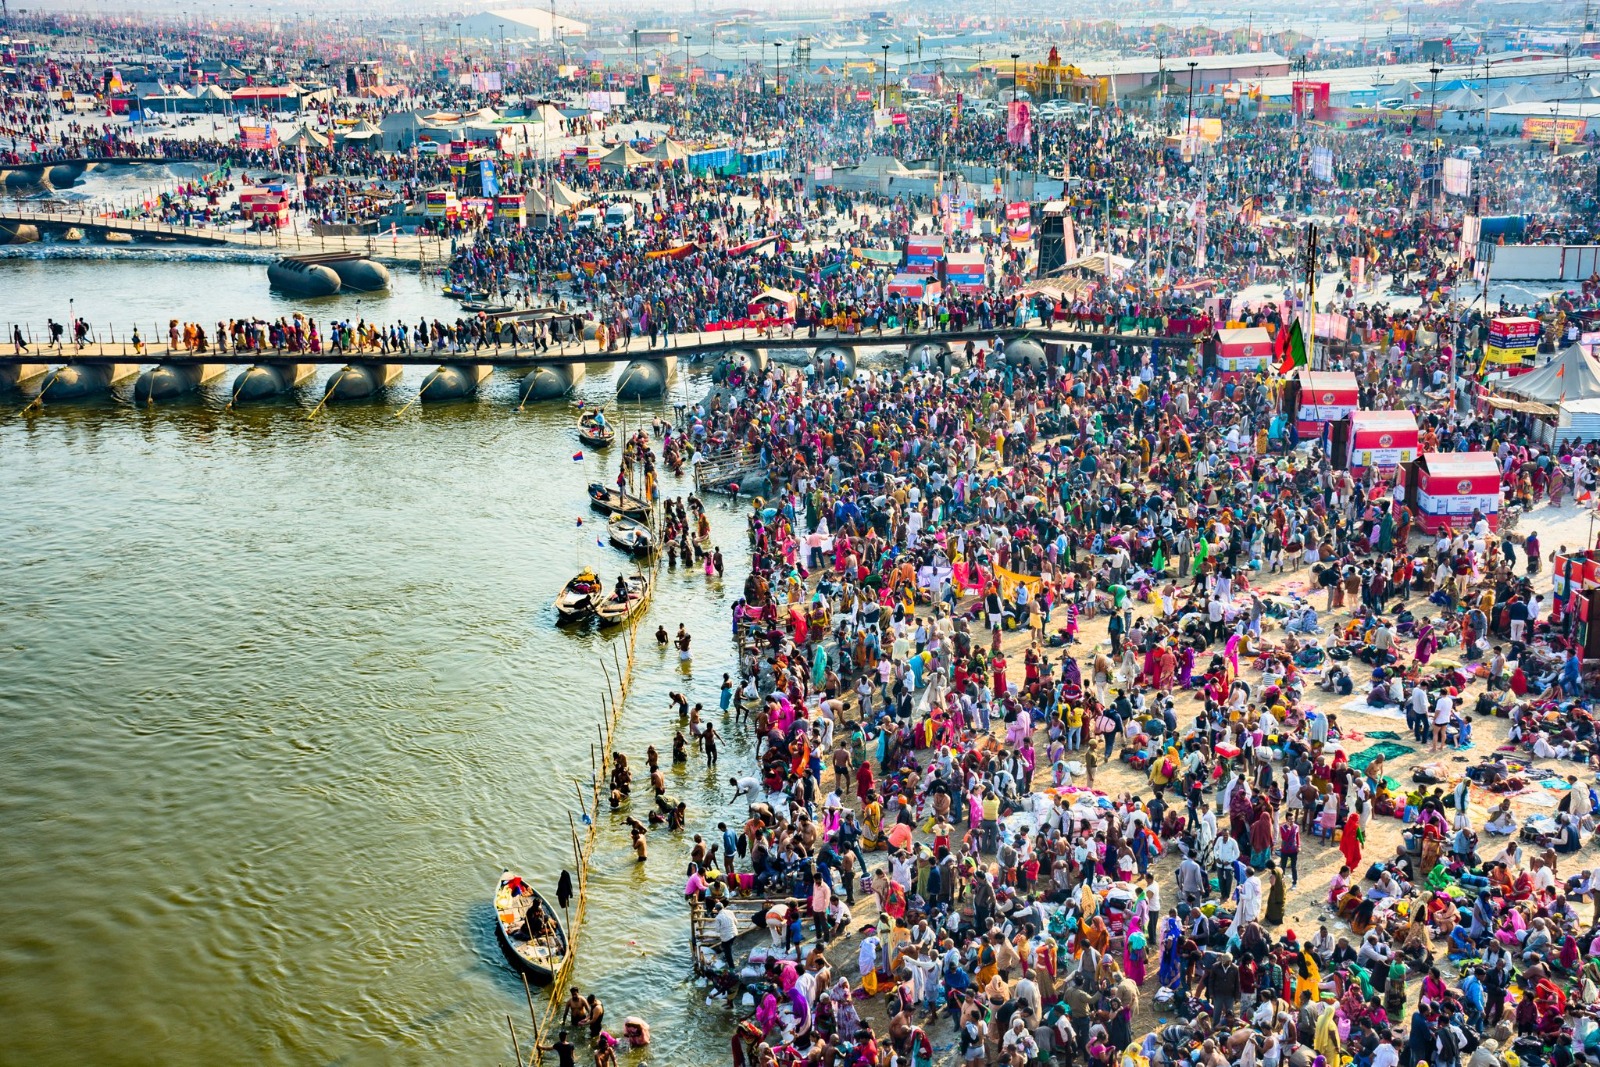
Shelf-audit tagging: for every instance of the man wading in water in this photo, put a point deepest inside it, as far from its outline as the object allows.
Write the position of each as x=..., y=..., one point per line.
x=681, y=643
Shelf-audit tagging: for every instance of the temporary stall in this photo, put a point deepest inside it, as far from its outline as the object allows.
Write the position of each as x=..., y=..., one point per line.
x=265, y=207
x=965, y=271
x=923, y=254
x=667, y=150
x=441, y=203
x=361, y=132
x=557, y=198
x=1242, y=350
x=914, y=287
x=773, y=304
x=1382, y=439
x=1447, y=487
x=1512, y=339
x=1317, y=397
x=511, y=210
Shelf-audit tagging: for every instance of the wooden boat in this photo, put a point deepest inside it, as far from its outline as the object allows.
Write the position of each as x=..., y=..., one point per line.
x=578, y=599
x=457, y=291
x=630, y=535
x=487, y=308
x=612, y=611
x=591, y=432
x=529, y=929
x=616, y=502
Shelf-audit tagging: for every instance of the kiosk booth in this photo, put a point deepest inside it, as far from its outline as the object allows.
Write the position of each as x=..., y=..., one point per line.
x=924, y=254
x=1242, y=350
x=965, y=272
x=1382, y=439
x=914, y=287
x=1446, y=487
x=1316, y=397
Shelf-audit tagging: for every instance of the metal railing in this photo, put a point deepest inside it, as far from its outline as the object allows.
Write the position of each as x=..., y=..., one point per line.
x=417, y=246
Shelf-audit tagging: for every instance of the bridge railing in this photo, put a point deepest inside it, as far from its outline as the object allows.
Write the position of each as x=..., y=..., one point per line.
x=407, y=246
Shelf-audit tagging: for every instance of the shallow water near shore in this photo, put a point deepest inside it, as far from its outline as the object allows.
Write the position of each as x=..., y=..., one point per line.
x=281, y=697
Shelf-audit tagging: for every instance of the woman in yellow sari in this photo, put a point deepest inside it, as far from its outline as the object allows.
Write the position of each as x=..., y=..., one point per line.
x=1308, y=979
x=871, y=825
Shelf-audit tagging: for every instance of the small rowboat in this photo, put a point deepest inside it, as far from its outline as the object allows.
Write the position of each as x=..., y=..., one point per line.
x=612, y=611
x=476, y=306
x=616, y=502
x=631, y=535
x=465, y=292
x=578, y=599
x=591, y=432
x=528, y=929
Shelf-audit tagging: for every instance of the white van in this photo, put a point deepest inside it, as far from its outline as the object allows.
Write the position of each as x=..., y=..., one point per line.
x=620, y=216
x=587, y=219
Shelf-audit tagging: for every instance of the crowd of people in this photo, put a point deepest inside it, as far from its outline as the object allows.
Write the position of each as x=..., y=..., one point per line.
x=1032, y=658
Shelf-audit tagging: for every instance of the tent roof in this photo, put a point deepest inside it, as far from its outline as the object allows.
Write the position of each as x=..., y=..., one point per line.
x=623, y=156
x=667, y=149
x=1463, y=99
x=214, y=92
x=562, y=198
x=1573, y=373
x=304, y=134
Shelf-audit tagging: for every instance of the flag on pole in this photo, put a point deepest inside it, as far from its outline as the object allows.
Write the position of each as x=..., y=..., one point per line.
x=1293, y=352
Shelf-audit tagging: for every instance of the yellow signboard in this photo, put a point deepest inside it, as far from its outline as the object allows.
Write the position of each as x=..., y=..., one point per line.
x=1496, y=354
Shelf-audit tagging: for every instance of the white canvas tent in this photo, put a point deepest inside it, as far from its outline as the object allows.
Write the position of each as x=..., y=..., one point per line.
x=623, y=156
x=561, y=200
x=666, y=150
x=1463, y=99
x=304, y=134
x=362, y=131
x=1572, y=375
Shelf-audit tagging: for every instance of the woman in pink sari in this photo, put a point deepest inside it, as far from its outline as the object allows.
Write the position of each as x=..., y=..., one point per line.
x=1230, y=652
x=1427, y=643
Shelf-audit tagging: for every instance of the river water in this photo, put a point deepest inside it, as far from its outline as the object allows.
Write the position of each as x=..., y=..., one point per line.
x=281, y=696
